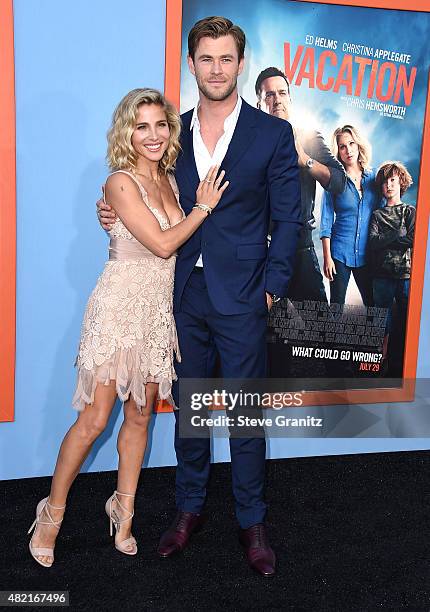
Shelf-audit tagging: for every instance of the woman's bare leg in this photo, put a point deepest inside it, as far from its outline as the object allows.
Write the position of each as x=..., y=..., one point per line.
x=132, y=439
x=74, y=449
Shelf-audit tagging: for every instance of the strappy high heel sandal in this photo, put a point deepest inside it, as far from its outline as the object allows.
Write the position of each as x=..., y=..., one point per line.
x=116, y=520
x=44, y=552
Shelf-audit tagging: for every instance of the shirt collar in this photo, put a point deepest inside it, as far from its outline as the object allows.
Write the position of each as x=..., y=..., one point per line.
x=228, y=122
x=367, y=174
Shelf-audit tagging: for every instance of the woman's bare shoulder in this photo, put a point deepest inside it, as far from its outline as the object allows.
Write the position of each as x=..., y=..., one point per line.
x=119, y=182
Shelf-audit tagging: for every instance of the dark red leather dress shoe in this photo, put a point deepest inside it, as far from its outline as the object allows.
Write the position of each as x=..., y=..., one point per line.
x=176, y=537
x=258, y=552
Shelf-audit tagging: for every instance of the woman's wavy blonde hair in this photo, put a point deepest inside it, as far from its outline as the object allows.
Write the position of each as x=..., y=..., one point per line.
x=364, y=146
x=121, y=154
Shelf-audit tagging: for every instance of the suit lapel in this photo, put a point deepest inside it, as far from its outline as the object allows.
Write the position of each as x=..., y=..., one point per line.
x=188, y=161
x=243, y=136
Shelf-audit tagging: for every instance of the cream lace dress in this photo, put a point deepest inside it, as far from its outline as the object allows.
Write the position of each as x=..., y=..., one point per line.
x=128, y=333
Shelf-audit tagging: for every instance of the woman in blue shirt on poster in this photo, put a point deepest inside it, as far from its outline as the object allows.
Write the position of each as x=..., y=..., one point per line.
x=345, y=218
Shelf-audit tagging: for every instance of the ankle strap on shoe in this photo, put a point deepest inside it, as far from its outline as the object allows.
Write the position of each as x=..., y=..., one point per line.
x=123, y=508
x=55, y=507
x=56, y=524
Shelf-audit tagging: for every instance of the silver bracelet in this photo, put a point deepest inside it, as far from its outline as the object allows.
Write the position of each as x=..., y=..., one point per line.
x=204, y=207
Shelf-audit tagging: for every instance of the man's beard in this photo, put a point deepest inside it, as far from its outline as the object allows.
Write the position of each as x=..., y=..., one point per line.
x=216, y=96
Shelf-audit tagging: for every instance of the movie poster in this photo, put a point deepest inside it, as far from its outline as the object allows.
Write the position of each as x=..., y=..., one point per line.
x=328, y=67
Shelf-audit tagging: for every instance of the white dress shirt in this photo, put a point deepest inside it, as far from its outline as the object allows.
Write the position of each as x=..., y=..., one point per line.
x=204, y=160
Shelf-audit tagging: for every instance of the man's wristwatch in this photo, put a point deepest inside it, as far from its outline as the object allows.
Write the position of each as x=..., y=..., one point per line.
x=310, y=162
x=275, y=298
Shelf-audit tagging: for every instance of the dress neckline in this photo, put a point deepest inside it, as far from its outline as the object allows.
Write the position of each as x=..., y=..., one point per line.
x=155, y=211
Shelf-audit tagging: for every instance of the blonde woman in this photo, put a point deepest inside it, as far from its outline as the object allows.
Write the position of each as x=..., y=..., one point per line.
x=345, y=217
x=128, y=335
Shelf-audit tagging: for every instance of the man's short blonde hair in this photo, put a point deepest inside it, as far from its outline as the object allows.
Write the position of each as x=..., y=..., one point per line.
x=215, y=27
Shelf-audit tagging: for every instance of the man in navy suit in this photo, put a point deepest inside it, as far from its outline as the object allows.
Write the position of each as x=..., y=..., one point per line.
x=226, y=275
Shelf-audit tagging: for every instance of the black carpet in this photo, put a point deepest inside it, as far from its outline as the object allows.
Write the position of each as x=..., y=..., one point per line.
x=351, y=533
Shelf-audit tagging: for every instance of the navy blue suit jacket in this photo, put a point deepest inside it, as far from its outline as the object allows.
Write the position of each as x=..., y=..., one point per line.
x=261, y=165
